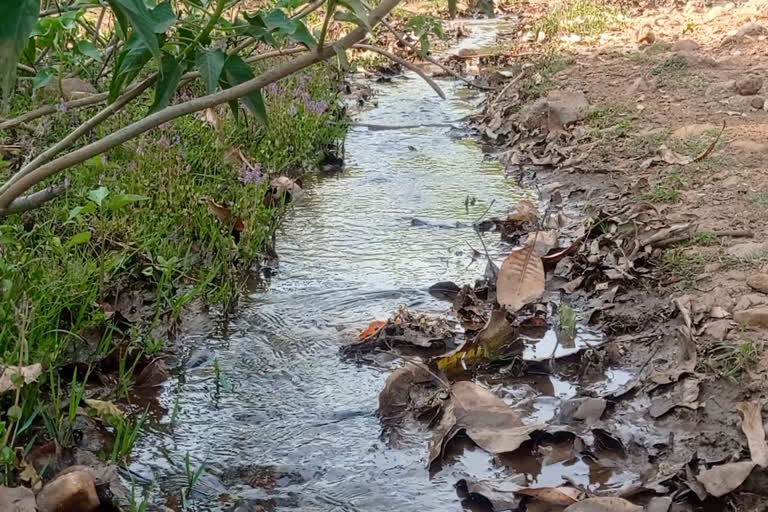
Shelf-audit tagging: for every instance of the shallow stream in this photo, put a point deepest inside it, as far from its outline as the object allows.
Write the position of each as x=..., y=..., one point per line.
x=290, y=425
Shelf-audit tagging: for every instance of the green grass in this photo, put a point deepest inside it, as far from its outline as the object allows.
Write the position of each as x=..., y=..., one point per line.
x=703, y=238
x=111, y=264
x=581, y=17
x=667, y=190
x=760, y=199
x=753, y=259
x=611, y=121
x=567, y=320
x=547, y=67
x=683, y=265
x=644, y=144
x=729, y=360
x=673, y=73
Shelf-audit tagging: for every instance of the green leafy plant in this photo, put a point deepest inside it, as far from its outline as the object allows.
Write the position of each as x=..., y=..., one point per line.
x=126, y=433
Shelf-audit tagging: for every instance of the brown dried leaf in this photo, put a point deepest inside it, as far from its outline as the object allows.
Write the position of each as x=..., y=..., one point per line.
x=153, y=375
x=496, y=332
x=219, y=211
x=720, y=480
x=520, y=280
x=393, y=399
x=604, y=504
x=487, y=419
x=29, y=373
x=501, y=493
x=525, y=211
x=553, y=495
x=752, y=425
x=285, y=187
x=543, y=241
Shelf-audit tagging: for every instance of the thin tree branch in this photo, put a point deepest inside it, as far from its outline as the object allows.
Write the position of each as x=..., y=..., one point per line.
x=24, y=67
x=434, y=61
x=65, y=8
x=35, y=199
x=404, y=63
x=152, y=121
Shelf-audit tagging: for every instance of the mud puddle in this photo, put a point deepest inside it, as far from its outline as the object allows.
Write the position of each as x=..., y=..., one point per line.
x=266, y=405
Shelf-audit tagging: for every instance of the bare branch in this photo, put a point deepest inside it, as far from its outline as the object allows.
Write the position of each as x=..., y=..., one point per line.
x=436, y=62
x=404, y=63
x=134, y=129
x=34, y=200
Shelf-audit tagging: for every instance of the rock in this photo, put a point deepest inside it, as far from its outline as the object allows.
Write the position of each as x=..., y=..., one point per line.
x=758, y=282
x=685, y=45
x=17, y=499
x=749, y=86
x=693, y=130
x=750, y=29
x=755, y=317
x=718, y=329
x=719, y=88
x=749, y=300
x=747, y=249
x=748, y=146
x=757, y=102
x=732, y=182
x=567, y=106
x=695, y=59
x=640, y=85
x=713, y=13
x=70, y=492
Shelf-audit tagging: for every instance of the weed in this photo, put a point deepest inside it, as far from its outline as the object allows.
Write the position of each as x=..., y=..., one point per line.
x=704, y=238
x=192, y=476
x=567, y=320
x=647, y=143
x=136, y=506
x=581, y=17
x=729, y=360
x=662, y=193
x=547, y=68
x=684, y=265
x=126, y=434
x=611, y=122
x=752, y=259
x=670, y=65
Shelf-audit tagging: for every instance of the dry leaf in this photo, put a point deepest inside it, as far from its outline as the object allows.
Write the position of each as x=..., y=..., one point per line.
x=720, y=480
x=604, y=504
x=153, y=375
x=752, y=425
x=104, y=408
x=525, y=211
x=501, y=493
x=372, y=329
x=394, y=398
x=29, y=373
x=553, y=495
x=219, y=211
x=521, y=279
x=543, y=241
x=214, y=120
x=285, y=187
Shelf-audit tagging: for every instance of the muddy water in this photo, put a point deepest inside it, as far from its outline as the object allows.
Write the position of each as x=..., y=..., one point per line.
x=290, y=425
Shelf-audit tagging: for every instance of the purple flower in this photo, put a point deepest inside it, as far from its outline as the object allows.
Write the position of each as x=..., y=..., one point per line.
x=292, y=109
x=188, y=168
x=302, y=80
x=61, y=107
x=175, y=139
x=104, y=159
x=274, y=88
x=318, y=107
x=251, y=175
x=132, y=165
x=164, y=141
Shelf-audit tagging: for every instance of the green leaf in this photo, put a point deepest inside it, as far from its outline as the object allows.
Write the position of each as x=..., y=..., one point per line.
x=80, y=238
x=18, y=19
x=162, y=17
x=121, y=200
x=142, y=22
x=43, y=77
x=131, y=60
x=358, y=11
x=75, y=212
x=276, y=19
x=342, y=55
x=170, y=74
x=236, y=71
x=97, y=195
x=210, y=62
x=122, y=20
x=88, y=49
x=301, y=34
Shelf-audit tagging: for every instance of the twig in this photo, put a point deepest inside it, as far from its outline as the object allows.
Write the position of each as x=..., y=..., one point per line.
x=96, y=37
x=428, y=58
x=506, y=88
x=32, y=201
x=403, y=63
x=491, y=264
x=24, y=67
x=485, y=212
x=684, y=238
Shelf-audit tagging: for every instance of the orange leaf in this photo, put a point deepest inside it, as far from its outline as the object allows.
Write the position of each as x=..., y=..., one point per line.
x=372, y=329
x=221, y=212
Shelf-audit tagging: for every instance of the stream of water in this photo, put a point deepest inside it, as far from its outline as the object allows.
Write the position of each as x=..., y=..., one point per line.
x=291, y=425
